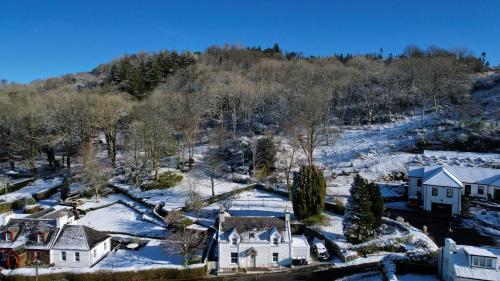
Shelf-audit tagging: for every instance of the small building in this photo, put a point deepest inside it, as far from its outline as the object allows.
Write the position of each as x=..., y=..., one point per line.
x=441, y=187
x=258, y=243
x=468, y=263
x=80, y=246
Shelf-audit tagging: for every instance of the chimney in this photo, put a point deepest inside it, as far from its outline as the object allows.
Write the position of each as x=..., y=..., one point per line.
x=62, y=219
x=287, y=214
x=222, y=214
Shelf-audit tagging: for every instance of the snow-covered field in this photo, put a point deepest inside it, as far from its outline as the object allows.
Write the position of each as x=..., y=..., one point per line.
x=377, y=276
x=39, y=185
x=123, y=219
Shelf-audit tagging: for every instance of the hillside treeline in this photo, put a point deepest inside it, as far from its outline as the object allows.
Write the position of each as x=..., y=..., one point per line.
x=162, y=101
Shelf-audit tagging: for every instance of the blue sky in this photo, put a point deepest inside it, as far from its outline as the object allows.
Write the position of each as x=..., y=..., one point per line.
x=40, y=39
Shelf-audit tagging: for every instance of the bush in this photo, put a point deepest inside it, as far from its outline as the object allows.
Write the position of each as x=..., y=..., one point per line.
x=165, y=180
x=5, y=207
x=182, y=223
x=316, y=219
x=20, y=203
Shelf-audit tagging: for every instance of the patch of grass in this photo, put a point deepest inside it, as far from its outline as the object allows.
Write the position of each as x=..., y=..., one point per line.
x=165, y=180
x=316, y=219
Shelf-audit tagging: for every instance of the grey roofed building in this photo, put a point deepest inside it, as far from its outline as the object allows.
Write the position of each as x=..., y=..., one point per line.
x=79, y=237
x=23, y=233
x=244, y=224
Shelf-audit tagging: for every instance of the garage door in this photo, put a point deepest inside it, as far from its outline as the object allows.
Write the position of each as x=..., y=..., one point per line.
x=441, y=208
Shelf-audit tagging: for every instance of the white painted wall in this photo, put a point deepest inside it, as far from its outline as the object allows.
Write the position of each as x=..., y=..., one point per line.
x=87, y=258
x=413, y=188
x=442, y=198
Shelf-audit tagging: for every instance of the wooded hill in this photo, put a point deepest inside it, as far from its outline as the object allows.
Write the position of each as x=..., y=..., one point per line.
x=165, y=99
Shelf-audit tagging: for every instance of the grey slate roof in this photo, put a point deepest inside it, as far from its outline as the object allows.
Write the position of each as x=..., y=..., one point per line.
x=26, y=236
x=79, y=237
x=245, y=224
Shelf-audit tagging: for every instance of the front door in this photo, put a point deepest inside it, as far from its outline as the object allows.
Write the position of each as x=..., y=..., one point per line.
x=467, y=189
x=253, y=260
x=497, y=195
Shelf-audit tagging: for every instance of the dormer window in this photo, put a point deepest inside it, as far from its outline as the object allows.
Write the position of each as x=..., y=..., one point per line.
x=8, y=236
x=482, y=262
x=234, y=241
x=39, y=238
x=275, y=241
x=251, y=235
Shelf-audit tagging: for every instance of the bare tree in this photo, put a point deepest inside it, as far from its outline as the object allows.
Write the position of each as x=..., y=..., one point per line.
x=185, y=242
x=95, y=175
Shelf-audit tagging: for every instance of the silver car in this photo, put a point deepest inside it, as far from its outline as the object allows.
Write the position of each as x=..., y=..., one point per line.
x=320, y=251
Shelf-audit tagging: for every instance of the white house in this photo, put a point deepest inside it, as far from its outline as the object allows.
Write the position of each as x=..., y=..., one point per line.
x=79, y=246
x=468, y=263
x=253, y=243
x=441, y=187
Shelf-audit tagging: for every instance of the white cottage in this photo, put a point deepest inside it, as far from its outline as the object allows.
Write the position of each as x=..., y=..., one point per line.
x=79, y=246
x=256, y=243
x=468, y=263
x=441, y=187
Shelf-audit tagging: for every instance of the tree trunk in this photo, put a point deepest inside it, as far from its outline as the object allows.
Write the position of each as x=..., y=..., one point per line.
x=68, y=161
x=212, y=183
x=12, y=163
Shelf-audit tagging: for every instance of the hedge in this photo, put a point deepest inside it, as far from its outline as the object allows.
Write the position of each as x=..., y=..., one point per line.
x=146, y=275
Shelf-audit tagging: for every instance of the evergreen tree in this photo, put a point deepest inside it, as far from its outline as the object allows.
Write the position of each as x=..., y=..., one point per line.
x=308, y=192
x=265, y=154
x=358, y=218
x=65, y=190
x=377, y=205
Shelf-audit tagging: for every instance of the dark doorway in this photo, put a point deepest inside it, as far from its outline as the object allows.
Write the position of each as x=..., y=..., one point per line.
x=467, y=189
x=497, y=195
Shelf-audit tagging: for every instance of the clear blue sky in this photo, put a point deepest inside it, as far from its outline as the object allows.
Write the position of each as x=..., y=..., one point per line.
x=39, y=39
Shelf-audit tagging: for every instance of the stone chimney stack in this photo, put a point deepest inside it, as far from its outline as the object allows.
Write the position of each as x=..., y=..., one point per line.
x=287, y=214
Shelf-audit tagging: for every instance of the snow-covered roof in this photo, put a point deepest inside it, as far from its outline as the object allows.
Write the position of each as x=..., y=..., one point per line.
x=299, y=241
x=478, y=251
x=26, y=231
x=79, y=237
x=449, y=175
x=464, y=270
x=442, y=177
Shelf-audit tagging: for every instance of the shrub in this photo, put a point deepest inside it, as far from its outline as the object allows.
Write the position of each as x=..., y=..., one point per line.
x=316, y=219
x=30, y=201
x=165, y=180
x=182, y=223
x=5, y=207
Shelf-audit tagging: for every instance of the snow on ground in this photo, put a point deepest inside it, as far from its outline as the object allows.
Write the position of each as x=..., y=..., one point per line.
x=377, y=276
x=154, y=254
x=485, y=221
x=35, y=187
x=417, y=277
x=121, y=218
x=455, y=158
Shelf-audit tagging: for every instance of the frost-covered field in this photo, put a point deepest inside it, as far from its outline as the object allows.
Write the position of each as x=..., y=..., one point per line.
x=121, y=219
x=39, y=185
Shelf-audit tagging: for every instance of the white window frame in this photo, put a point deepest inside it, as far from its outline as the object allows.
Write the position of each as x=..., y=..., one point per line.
x=75, y=255
x=234, y=241
x=276, y=255
x=39, y=238
x=8, y=236
x=231, y=258
x=104, y=245
x=94, y=252
x=275, y=241
x=480, y=189
x=63, y=256
x=436, y=189
x=251, y=235
x=449, y=192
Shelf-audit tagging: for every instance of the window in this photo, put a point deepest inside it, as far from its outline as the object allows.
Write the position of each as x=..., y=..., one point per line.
x=105, y=245
x=4, y=256
x=449, y=192
x=234, y=241
x=275, y=241
x=95, y=253
x=482, y=262
x=419, y=182
x=234, y=257
x=419, y=194
x=275, y=257
x=8, y=236
x=480, y=189
x=35, y=255
x=39, y=238
x=63, y=256
x=434, y=191
x=251, y=235
x=77, y=256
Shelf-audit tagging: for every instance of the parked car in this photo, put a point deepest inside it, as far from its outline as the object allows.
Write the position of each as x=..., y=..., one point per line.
x=320, y=251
